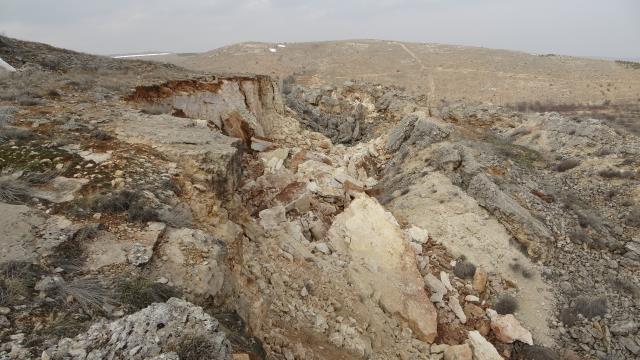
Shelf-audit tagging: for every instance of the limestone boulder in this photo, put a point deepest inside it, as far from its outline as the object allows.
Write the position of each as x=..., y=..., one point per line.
x=382, y=264
x=508, y=329
x=195, y=260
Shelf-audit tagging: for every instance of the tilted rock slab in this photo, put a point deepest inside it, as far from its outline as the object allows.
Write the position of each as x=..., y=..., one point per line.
x=383, y=264
x=482, y=349
x=524, y=227
x=154, y=331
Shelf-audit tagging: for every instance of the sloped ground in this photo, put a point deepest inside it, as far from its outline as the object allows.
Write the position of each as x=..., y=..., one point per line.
x=354, y=222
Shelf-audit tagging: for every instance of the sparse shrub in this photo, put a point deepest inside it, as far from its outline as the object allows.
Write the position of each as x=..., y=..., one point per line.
x=53, y=93
x=535, y=352
x=615, y=173
x=118, y=201
x=17, y=279
x=155, y=109
x=633, y=218
x=142, y=213
x=590, y=307
x=506, y=304
x=130, y=201
x=568, y=317
x=101, y=135
x=66, y=325
x=565, y=165
x=26, y=100
x=626, y=285
x=196, y=347
x=70, y=254
x=140, y=292
x=13, y=191
x=40, y=178
x=14, y=133
x=88, y=293
x=464, y=269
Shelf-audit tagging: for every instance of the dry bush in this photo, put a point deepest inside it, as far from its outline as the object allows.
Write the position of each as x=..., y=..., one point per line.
x=590, y=307
x=506, y=304
x=88, y=293
x=8, y=133
x=565, y=165
x=464, y=269
x=26, y=100
x=615, y=173
x=40, y=178
x=535, y=352
x=140, y=292
x=70, y=254
x=101, y=135
x=627, y=285
x=196, y=347
x=17, y=279
x=13, y=191
x=131, y=201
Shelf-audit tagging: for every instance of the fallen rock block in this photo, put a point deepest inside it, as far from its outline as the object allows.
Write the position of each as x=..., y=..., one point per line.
x=482, y=349
x=508, y=329
x=458, y=352
x=153, y=332
x=382, y=259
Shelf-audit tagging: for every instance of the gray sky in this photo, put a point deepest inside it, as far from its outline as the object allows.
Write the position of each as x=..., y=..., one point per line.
x=605, y=28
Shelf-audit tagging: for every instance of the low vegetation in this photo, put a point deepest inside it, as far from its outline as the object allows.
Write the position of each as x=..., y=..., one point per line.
x=17, y=280
x=464, y=269
x=506, y=304
x=13, y=191
x=140, y=292
x=88, y=293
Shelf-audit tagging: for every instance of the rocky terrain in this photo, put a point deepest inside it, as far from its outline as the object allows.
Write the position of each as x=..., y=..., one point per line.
x=154, y=212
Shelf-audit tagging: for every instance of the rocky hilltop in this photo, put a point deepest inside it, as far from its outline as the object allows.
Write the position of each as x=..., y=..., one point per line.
x=153, y=212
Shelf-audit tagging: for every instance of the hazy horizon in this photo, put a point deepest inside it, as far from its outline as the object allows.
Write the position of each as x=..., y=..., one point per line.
x=587, y=28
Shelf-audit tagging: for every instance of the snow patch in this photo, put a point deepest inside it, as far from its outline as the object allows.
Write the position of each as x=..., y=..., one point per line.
x=6, y=66
x=140, y=55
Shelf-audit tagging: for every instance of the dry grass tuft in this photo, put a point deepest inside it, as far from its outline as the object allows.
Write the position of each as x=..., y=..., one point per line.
x=17, y=279
x=140, y=292
x=88, y=293
x=13, y=191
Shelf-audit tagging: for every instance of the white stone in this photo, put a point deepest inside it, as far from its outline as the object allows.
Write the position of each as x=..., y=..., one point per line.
x=482, y=349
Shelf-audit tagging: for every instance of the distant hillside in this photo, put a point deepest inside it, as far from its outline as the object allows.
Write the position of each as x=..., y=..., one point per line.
x=444, y=72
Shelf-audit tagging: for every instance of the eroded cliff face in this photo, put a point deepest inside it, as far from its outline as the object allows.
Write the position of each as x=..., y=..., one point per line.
x=240, y=106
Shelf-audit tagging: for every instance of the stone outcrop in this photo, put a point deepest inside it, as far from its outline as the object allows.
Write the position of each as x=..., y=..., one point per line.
x=215, y=156
x=523, y=226
x=383, y=264
x=155, y=331
x=241, y=106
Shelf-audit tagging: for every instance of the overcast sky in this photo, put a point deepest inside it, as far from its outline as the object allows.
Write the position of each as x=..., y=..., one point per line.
x=604, y=28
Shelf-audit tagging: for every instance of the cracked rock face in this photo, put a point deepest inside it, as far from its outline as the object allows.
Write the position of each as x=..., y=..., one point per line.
x=153, y=332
